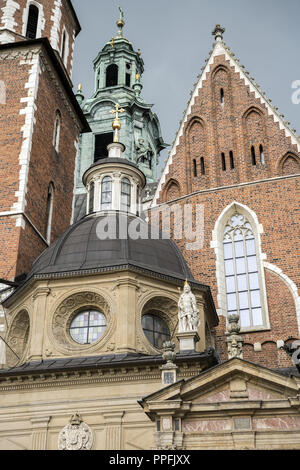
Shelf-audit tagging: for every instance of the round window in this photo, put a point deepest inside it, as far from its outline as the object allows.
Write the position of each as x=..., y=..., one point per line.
x=156, y=330
x=88, y=327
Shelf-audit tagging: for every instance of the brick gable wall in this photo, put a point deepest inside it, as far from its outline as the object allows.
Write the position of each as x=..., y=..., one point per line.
x=213, y=128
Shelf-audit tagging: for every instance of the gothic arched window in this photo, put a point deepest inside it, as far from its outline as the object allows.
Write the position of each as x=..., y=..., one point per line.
x=231, y=159
x=49, y=211
x=222, y=96
x=112, y=75
x=125, y=194
x=106, y=193
x=56, y=133
x=195, y=168
x=253, y=156
x=32, y=22
x=243, y=285
x=202, y=165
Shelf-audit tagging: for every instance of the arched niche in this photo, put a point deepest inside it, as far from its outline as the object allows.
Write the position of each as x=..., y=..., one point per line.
x=17, y=339
x=165, y=309
x=289, y=164
x=221, y=84
x=172, y=190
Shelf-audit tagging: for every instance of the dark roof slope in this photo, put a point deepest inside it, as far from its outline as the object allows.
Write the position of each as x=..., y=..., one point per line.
x=80, y=249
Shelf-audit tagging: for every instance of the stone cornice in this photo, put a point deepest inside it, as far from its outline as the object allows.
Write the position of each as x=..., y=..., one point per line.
x=88, y=377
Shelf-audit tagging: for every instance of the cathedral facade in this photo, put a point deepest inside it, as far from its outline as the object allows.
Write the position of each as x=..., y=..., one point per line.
x=116, y=335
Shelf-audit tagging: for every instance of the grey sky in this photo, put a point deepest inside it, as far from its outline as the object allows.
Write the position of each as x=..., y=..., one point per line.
x=175, y=39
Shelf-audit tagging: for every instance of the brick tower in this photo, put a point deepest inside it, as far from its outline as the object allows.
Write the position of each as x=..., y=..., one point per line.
x=40, y=121
x=237, y=158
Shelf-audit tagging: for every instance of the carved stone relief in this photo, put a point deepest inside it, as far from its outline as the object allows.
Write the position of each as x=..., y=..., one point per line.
x=77, y=435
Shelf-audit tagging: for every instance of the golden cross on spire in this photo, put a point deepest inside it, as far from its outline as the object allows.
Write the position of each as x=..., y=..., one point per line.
x=116, y=125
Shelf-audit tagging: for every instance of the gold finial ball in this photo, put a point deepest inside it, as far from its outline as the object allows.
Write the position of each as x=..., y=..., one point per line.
x=116, y=125
x=139, y=52
x=120, y=23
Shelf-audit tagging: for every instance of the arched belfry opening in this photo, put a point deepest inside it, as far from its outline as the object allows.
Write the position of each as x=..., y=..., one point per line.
x=112, y=75
x=32, y=22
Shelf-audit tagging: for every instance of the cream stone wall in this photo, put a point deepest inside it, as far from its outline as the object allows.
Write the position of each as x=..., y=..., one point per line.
x=123, y=297
x=35, y=407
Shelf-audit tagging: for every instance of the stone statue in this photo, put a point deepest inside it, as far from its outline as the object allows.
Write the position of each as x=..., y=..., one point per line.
x=234, y=340
x=188, y=314
x=144, y=152
x=75, y=436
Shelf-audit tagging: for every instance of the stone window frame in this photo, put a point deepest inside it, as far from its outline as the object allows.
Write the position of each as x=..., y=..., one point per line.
x=41, y=18
x=65, y=46
x=217, y=244
x=49, y=213
x=57, y=130
x=117, y=177
x=65, y=312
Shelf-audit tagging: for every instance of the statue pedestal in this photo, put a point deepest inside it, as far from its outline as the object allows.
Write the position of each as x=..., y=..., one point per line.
x=169, y=374
x=188, y=340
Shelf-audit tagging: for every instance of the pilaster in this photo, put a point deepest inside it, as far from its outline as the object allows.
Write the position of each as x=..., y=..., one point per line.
x=127, y=289
x=38, y=323
x=113, y=430
x=39, y=433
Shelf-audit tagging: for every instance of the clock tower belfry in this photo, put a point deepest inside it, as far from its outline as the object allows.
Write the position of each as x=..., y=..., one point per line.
x=118, y=72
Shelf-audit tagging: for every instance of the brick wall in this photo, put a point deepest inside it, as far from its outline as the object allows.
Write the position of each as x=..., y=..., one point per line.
x=22, y=244
x=55, y=15
x=214, y=128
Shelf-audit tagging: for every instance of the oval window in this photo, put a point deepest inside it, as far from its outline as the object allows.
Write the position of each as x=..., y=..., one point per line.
x=88, y=327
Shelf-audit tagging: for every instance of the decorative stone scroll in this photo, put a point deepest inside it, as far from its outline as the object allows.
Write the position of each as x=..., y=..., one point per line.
x=77, y=435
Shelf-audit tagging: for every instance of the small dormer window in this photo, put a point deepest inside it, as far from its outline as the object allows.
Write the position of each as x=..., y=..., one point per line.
x=32, y=22
x=125, y=195
x=112, y=72
x=91, y=197
x=106, y=193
